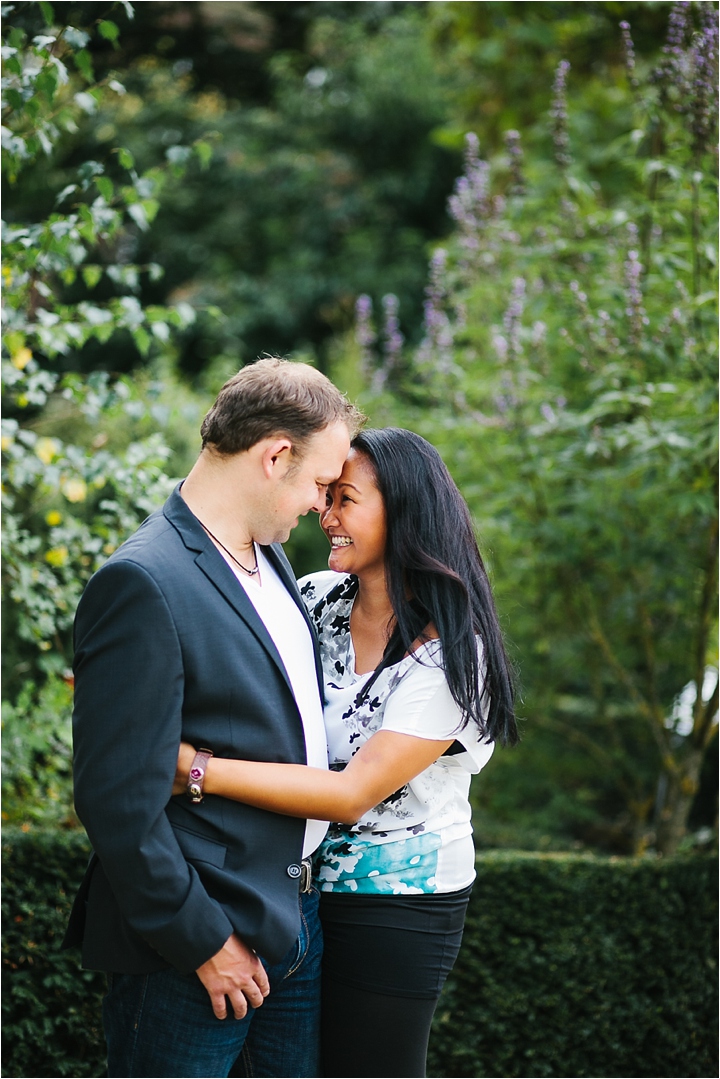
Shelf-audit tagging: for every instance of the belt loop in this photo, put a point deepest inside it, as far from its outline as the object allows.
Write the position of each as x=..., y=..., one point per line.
x=306, y=875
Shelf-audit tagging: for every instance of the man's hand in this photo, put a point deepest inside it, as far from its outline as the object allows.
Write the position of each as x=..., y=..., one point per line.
x=237, y=973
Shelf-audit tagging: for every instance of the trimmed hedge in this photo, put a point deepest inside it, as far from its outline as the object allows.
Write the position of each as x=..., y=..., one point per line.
x=51, y=1008
x=580, y=966
x=571, y=966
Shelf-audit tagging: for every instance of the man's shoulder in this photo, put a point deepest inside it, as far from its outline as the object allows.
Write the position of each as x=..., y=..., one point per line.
x=150, y=545
x=156, y=551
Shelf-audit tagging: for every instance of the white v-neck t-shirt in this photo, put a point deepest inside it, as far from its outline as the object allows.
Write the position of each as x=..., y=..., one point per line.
x=290, y=633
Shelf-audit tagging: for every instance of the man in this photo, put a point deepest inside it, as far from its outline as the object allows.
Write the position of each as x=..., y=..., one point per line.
x=194, y=629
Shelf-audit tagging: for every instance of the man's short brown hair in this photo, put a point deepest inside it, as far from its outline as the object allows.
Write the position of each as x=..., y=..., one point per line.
x=271, y=398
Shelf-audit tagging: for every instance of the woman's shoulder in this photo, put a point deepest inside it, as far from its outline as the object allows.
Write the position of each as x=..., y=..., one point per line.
x=326, y=585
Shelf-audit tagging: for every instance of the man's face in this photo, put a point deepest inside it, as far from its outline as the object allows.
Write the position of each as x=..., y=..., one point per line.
x=303, y=486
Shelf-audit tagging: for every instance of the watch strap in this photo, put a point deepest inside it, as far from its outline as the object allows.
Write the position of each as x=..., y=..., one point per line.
x=196, y=775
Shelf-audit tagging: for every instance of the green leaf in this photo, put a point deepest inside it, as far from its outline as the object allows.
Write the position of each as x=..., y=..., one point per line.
x=83, y=63
x=91, y=275
x=105, y=186
x=108, y=30
x=68, y=275
x=204, y=152
x=14, y=98
x=142, y=339
x=104, y=332
x=48, y=13
x=46, y=83
x=125, y=158
x=151, y=207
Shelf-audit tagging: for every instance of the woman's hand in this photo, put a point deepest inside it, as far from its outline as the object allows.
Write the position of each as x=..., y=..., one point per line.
x=186, y=755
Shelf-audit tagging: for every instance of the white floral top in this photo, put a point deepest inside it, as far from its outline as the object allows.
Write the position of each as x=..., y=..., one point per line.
x=420, y=838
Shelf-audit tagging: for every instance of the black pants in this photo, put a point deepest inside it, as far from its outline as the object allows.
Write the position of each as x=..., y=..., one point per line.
x=386, y=959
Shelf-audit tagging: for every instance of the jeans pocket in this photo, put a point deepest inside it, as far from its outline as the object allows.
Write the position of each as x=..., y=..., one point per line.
x=303, y=943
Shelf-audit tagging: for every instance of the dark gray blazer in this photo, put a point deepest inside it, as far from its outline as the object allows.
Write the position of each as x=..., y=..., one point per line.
x=169, y=647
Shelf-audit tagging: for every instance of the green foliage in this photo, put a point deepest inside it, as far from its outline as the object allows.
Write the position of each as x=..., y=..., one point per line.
x=575, y=966
x=68, y=502
x=37, y=755
x=51, y=1008
x=571, y=966
x=568, y=376
x=504, y=55
x=329, y=186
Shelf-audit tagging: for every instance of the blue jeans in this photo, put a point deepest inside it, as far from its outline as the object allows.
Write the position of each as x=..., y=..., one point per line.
x=162, y=1024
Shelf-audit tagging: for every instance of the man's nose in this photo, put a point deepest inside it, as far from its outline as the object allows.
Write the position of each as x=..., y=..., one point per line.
x=320, y=503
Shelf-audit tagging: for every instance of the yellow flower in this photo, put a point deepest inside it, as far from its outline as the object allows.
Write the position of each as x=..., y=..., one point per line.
x=46, y=449
x=75, y=490
x=7, y=275
x=57, y=556
x=7, y=441
x=53, y=518
x=21, y=358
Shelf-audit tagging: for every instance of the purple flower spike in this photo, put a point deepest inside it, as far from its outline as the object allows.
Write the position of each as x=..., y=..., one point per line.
x=364, y=333
x=436, y=346
x=633, y=291
x=514, y=149
x=470, y=205
x=629, y=50
x=671, y=69
x=558, y=112
x=392, y=336
x=704, y=56
x=512, y=319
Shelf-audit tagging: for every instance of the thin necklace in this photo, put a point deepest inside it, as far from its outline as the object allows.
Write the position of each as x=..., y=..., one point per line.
x=250, y=572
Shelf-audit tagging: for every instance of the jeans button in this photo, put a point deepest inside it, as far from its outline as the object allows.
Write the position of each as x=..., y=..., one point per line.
x=294, y=871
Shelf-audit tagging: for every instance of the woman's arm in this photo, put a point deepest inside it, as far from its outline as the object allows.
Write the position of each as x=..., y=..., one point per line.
x=386, y=762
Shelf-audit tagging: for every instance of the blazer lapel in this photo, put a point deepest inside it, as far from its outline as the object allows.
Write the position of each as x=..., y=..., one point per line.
x=209, y=560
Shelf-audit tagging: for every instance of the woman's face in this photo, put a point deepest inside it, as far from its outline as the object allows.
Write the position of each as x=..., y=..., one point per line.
x=354, y=520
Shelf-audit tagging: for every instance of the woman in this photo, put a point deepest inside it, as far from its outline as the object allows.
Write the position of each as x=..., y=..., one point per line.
x=418, y=690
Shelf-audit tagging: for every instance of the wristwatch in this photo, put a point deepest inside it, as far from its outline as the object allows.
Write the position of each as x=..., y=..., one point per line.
x=196, y=775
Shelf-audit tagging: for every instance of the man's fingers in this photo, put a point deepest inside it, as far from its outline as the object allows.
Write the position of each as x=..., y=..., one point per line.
x=239, y=999
x=261, y=980
x=254, y=995
x=219, y=1006
x=239, y=1005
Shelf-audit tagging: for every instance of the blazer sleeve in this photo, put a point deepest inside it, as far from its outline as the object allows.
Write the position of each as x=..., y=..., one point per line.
x=129, y=688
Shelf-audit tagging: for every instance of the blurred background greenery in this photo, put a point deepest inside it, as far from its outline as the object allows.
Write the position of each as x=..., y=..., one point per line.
x=493, y=223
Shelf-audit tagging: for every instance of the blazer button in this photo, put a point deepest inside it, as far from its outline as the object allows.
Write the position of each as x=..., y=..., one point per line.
x=294, y=871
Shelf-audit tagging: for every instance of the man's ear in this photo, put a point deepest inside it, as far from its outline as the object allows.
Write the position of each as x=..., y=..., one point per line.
x=276, y=457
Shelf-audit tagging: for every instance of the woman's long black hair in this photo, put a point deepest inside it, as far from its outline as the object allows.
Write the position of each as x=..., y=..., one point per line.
x=435, y=573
